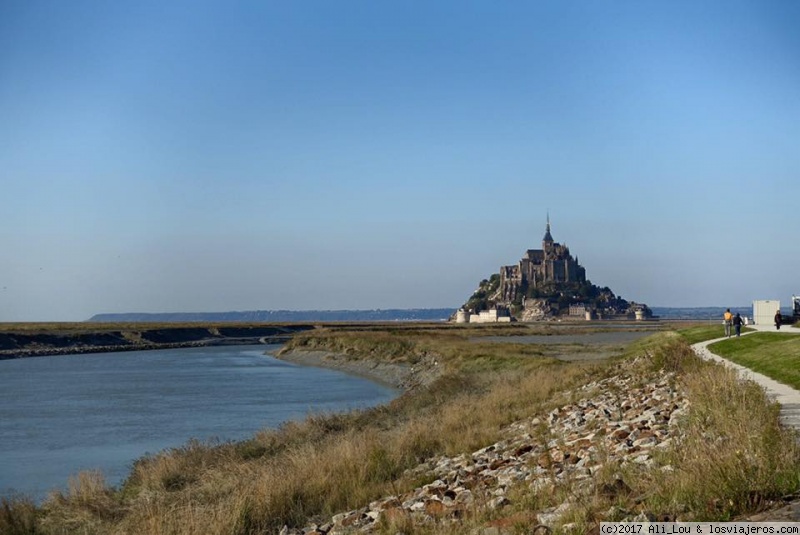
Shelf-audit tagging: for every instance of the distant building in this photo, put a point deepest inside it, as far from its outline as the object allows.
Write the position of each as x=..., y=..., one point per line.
x=546, y=283
x=578, y=309
x=764, y=311
x=495, y=315
x=553, y=263
x=641, y=312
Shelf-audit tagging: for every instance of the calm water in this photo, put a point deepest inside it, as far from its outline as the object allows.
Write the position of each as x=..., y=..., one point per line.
x=60, y=415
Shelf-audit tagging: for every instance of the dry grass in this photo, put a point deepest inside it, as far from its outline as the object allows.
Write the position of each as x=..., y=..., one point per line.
x=88, y=506
x=325, y=465
x=18, y=516
x=310, y=469
x=733, y=459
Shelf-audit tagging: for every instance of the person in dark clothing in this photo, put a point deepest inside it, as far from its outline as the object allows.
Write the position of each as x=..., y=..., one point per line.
x=737, y=324
x=778, y=320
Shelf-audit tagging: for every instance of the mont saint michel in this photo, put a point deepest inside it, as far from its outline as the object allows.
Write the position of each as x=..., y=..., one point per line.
x=546, y=283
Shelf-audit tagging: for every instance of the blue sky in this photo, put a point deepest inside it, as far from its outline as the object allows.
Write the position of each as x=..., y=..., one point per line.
x=212, y=156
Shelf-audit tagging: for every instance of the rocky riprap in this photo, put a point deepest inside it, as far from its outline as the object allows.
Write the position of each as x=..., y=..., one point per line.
x=617, y=420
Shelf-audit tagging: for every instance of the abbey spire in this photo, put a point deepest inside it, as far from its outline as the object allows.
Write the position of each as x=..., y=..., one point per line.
x=548, y=238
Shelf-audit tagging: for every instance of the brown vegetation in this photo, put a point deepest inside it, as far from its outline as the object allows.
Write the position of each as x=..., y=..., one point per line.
x=734, y=458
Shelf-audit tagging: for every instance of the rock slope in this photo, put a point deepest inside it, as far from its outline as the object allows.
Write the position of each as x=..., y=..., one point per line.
x=616, y=420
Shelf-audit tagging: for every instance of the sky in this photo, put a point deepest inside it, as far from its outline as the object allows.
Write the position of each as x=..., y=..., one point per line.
x=200, y=155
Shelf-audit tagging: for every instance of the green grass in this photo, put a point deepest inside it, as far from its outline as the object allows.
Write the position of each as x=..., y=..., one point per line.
x=701, y=333
x=772, y=354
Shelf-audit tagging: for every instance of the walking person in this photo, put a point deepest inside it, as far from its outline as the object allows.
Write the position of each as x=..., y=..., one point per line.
x=737, y=324
x=727, y=319
x=778, y=319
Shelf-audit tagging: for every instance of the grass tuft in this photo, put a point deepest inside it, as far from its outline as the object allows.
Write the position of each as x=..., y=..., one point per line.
x=18, y=516
x=735, y=456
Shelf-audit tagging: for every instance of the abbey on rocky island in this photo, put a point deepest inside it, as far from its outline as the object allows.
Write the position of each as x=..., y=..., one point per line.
x=546, y=283
x=539, y=268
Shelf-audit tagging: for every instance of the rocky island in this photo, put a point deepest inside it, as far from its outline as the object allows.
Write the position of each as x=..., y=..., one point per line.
x=546, y=283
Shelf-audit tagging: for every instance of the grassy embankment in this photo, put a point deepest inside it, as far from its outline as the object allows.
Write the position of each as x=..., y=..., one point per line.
x=733, y=458
x=775, y=355
x=701, y=333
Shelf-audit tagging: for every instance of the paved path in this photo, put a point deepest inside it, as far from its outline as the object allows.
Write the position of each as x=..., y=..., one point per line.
x=788, y=397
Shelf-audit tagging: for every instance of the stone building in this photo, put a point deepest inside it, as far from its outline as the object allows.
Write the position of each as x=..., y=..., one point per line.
x=552, y=264
x=578, y=309
x=495, y=315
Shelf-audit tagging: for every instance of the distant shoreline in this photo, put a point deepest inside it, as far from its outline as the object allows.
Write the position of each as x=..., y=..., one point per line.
x=83, y=350
x=24, y=344
x=368, y=316
x=23, y=340
x=282, y=316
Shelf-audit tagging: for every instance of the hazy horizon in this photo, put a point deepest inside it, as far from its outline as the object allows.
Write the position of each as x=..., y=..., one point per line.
x=206, y=155
x=786, y=307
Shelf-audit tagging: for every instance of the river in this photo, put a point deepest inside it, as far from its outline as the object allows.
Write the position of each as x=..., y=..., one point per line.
x=63, y=414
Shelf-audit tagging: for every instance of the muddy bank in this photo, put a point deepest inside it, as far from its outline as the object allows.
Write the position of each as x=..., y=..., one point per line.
x=567, y=347
x=395, y=375
x=25, y=344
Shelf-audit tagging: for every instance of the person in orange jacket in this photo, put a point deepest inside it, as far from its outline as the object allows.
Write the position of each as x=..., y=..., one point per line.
x=727, y=319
